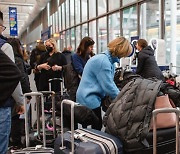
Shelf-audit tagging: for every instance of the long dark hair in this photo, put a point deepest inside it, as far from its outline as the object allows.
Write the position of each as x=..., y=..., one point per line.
x=16, y=45
x=83, y=46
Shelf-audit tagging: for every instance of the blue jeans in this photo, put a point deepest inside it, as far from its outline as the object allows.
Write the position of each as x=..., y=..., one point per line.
x=5, y=127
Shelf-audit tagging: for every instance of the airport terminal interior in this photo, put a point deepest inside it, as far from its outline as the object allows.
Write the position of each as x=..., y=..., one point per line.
x=69, y=21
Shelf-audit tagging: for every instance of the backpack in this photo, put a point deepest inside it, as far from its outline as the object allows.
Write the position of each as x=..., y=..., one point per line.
x=71, y=80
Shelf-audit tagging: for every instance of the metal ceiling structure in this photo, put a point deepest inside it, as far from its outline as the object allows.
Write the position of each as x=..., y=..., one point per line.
x=24, y=10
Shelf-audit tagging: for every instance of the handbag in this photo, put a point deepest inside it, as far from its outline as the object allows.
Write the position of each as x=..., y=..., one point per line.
x=164, y=120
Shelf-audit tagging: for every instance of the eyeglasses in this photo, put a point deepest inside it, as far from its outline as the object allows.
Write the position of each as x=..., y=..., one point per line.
x=3, y=27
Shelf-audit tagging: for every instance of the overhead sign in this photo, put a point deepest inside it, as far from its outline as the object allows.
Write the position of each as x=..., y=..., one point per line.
x=46, y=34
x=13, y=21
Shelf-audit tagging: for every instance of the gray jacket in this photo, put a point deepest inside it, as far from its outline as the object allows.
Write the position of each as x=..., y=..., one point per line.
x=17, y=94
x=129, y=117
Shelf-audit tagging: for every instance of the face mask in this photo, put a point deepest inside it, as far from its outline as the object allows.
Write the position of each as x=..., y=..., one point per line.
x=49, y=49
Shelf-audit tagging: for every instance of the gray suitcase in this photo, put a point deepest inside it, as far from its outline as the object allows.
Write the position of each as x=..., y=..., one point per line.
x=39, y=148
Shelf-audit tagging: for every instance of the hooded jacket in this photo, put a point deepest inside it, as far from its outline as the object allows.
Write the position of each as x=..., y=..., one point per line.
x=130, y=114
x=147, y=66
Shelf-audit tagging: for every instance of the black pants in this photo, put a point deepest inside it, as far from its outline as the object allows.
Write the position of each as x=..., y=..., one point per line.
x=17, y=130
x=97, y=112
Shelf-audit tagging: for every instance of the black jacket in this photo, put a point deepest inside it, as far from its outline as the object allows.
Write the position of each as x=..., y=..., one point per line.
x=25, y=84
x=147, y=66
x=9, y=77
x=56, y=59
x=130, y=114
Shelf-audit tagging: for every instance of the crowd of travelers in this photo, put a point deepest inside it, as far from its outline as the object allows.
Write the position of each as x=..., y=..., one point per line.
x=88, y=79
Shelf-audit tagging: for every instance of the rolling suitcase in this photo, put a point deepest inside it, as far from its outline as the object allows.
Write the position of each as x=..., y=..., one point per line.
x=41, y=136
x=162, y=141
x=85, y=141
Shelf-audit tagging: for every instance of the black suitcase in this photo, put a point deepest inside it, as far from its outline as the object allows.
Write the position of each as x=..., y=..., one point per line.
x=85, y=141
x=162, y=141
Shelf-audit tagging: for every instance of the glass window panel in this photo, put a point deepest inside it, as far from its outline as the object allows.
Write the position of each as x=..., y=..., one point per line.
x=72, y=12
x=48, y=14
x=92, y=34
x=50, y=24
x=92, y=9
x=84, y=30
x=73, y=39
x=125, y=2
x=102, y=7
x=114, y=4
x=78, y=36
x=178, y=41
x=168, y=30
x=68, y=37
x=59, y=11
x=63, y=16
x=130, y=22
x=114, y=26
x=84, y=10
x=56, y=21
x=77, y=11
x=67, y=13
x=170, y=52
x=62, y=40
x=149, y=20
x=102, y=34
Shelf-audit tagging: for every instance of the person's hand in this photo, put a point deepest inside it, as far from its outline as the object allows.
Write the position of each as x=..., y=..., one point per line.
x=44, y=66
x=56, y=68
x=19, y=109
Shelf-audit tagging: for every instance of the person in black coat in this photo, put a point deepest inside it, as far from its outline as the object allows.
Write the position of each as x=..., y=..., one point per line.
x=34, y=60
x=147, y=66
x=50, y=66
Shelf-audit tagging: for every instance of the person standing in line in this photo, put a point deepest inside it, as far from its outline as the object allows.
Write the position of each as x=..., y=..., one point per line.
x=34, y=60
x=68, y=53
x=17, y=125
x=79, y=59
x=84, y=52
x=98, y=77
x=50, y=66
x=147, y=66
x=10, y=88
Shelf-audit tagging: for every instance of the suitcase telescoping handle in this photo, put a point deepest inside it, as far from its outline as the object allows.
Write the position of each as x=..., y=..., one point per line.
x=65, y=101
x=56, y=79
x=165, y=110
x=37, y=94
x=52, y=93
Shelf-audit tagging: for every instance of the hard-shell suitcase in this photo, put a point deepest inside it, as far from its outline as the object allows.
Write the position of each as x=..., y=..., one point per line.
x=35, y=150
x=41, y=135
x=85, y=141
x=162, y=141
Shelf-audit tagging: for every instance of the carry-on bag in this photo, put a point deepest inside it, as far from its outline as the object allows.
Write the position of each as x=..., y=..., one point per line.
x=57, y=85
x=40, y=135
x=35, y=150
x=85, y=141
x=163, y=140
x=157, y=150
